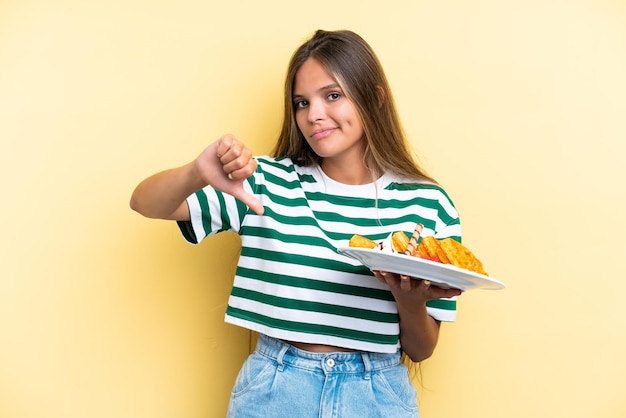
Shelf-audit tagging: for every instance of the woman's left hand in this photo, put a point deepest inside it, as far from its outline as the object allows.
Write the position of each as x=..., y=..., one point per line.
x=412, y=290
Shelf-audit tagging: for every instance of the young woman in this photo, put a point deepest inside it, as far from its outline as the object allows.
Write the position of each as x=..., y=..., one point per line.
x=331, y=332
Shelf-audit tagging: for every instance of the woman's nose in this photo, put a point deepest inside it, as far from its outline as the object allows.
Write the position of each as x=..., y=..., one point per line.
x=316, y=111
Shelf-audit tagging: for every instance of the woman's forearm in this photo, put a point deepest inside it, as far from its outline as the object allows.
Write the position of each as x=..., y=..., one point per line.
x=419, y=332
x=163, y=195
x=224, y=165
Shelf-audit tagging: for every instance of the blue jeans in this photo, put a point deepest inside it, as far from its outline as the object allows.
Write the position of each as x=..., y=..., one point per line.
x=279, y=380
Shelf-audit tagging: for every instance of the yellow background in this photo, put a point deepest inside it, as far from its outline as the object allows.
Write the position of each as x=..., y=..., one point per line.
x=517, y=107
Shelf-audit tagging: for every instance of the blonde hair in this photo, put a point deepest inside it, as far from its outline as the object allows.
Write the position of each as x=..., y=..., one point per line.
x=357, y=70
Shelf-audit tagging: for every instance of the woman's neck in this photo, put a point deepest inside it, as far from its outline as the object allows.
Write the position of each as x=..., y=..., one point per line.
x=346, y=173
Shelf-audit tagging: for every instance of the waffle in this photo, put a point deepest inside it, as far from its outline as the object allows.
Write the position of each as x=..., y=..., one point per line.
x=430, y=247
x=446, y=251
x=450, y=251
x=400, y=241
x=362, y=242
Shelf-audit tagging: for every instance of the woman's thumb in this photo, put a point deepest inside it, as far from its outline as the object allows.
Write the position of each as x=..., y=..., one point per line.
x=250, y=201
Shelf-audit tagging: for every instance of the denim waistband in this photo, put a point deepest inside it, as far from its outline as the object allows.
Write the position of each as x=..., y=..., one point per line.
x=333, y=362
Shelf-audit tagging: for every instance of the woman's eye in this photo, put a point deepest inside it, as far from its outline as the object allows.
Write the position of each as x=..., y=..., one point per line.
x=300, y=104
x=334, y=96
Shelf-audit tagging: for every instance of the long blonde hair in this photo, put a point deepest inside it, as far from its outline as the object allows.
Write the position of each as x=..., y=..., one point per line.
x=357, y=70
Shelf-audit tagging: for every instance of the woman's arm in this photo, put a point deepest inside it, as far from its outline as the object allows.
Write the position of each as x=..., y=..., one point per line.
x=419, y=331
x=224, y=165
x=163, y=195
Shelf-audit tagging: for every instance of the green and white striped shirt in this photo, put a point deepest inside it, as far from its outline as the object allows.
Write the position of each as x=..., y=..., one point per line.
x=290, y=282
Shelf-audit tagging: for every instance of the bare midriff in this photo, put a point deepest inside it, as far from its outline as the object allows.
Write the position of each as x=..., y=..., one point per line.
x=319, y=348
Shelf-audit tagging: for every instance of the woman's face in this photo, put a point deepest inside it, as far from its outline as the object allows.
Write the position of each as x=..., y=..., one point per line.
x=327, y=119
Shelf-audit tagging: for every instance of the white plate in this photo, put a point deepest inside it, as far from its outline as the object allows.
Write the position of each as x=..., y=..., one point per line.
x=444, y=275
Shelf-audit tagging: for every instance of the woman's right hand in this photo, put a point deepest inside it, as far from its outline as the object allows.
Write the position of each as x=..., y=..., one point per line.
x=225, y=165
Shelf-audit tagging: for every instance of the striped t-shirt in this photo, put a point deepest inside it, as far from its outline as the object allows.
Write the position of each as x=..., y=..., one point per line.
x=290, y=282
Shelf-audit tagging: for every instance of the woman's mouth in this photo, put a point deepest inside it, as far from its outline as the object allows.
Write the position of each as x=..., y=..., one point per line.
x=322, y=133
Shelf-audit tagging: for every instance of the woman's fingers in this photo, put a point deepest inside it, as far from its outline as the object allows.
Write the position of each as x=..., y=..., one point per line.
x=405, y=283
x=237, y=164
x=237, y=160
x=408, y=284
